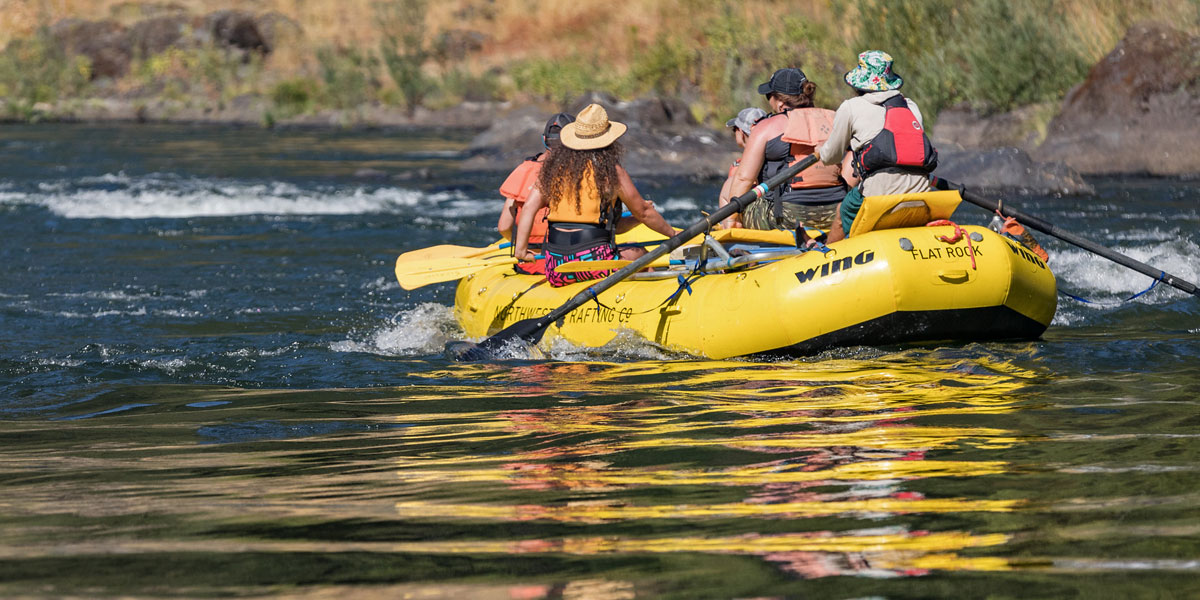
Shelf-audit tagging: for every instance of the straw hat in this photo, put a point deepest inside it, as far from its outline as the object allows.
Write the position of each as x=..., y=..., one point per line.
x=591, y=129
x=874, y=73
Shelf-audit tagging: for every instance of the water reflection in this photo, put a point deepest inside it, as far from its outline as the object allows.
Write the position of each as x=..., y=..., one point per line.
x=815, y=466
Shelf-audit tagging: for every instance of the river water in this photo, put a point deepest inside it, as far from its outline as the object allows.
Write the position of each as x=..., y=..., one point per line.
x=211, y=385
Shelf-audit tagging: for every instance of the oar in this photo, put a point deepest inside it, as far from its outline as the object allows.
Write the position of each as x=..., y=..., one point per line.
x=576, y=266
x=415, y=274
x=1066, y=236
x=449, y=251
x=531, y=330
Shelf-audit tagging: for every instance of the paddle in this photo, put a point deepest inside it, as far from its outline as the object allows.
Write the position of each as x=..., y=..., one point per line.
x=1066, y=236
x=604, y=265
x=449, y=251
x=415, y=274
x=531, y=330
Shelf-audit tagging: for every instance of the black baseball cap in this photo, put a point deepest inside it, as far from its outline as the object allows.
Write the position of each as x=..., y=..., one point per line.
x=785, y=81
x=555, y=124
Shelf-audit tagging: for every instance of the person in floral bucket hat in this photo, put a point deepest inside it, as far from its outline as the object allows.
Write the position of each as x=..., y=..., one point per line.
x=884, y=132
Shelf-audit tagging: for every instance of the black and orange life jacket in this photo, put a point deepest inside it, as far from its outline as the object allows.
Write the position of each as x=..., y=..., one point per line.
x=901, y=144
x=806, y=129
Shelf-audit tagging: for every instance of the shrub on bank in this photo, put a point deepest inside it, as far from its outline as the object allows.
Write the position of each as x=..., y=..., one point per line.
x=36, y=70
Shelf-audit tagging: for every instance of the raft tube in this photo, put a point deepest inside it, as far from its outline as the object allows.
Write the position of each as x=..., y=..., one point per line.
x=883, y=287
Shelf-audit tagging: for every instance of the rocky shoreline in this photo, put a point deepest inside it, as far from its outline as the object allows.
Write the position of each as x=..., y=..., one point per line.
x=1138, y=112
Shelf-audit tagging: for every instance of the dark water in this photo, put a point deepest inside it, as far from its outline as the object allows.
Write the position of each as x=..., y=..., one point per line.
x=210, y=385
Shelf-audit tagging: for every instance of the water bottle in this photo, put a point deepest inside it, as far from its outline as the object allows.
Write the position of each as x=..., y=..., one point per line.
x=997, y=224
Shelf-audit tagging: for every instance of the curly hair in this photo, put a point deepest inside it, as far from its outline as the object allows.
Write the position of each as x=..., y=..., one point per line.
x=562, y=175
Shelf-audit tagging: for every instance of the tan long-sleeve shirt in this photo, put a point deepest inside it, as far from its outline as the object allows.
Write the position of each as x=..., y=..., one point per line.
x=856, y=122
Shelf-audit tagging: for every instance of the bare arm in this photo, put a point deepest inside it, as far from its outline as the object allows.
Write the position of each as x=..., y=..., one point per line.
x=641, y=209
x=752, y=161
x=508, y=218
x=839, y=138
x=723, y=199
x=525, y=224
x=848, y=170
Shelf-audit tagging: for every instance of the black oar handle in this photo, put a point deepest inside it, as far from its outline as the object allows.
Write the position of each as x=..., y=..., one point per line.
x=1066, y=236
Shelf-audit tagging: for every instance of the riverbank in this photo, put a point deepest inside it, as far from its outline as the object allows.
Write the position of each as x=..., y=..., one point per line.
x=174, y=64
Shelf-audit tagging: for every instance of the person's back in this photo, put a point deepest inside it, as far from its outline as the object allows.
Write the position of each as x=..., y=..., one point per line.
x=584, y=186
x=885, y=133
x=866, y=115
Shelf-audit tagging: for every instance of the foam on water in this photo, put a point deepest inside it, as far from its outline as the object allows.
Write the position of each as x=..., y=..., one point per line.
x=123, y=197
x=1080, y=271
x=420, y=330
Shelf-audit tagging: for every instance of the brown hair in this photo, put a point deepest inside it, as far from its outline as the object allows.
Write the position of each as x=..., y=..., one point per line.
x=562, y=174
x=802, y=100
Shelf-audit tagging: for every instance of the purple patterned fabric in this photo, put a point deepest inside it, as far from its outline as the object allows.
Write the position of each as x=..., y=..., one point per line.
x=604, y=251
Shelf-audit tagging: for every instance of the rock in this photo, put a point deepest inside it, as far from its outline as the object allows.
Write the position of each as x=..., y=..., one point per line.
x=129, y=12
x=662, y=139
x=277, y=30
x=454, y=45
x=1007, y=168
x=368, y=173
x=155, y=35
x=235, y=29
x=105, y=43
x=1022, y=128
x=1137, y=111
x=421, y=174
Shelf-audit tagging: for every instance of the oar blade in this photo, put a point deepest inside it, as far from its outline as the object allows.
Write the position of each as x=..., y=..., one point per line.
x=448, y=251
x=416, y=274
x=506, y=342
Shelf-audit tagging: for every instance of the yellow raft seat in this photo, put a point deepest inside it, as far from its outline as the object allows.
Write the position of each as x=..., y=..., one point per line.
x=893, y=280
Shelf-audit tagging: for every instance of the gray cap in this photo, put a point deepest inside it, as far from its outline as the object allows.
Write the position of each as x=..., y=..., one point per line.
x=746, y=118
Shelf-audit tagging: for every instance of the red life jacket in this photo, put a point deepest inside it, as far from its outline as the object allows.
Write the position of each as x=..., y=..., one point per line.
x=902, y=143
x=518, y=185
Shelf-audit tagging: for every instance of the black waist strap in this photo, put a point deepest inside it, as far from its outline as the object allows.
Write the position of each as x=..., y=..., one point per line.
x=585, y=236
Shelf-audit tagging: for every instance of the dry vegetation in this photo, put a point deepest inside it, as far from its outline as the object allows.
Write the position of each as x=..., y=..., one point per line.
x=992, y=53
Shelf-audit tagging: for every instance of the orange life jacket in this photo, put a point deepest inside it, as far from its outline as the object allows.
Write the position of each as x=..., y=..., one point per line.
x=591, y=205
x=806, y=129
x=517, y=187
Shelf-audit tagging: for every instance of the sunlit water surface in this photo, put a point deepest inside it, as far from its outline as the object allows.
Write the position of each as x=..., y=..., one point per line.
x=210, y=385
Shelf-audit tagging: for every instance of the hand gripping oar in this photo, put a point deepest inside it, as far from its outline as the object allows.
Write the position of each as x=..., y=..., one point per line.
x=1066, y=236
x=531, y=330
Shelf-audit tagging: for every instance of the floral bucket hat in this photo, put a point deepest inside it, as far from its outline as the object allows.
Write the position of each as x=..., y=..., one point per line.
x=874, y=73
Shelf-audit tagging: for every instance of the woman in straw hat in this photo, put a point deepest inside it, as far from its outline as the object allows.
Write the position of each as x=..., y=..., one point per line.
x=883, y=129
x=585, y=187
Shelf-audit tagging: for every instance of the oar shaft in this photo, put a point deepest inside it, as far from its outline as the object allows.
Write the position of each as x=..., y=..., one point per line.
x=1066, y=236
x=735, y=205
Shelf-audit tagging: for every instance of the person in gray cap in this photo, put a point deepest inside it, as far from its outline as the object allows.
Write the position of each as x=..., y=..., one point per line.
x=790, y=134
x=740, y=126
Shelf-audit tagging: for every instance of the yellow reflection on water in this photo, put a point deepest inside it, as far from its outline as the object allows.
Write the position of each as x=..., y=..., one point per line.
x=788, y=443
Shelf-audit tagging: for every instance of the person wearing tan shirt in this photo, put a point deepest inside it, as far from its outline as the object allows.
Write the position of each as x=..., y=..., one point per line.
x=858, y=125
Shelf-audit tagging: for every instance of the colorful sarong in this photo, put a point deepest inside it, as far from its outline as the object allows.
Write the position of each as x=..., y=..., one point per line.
x=601, y=251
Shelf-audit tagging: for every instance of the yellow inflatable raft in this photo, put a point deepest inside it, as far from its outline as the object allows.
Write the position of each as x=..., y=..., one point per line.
x=893, y=280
